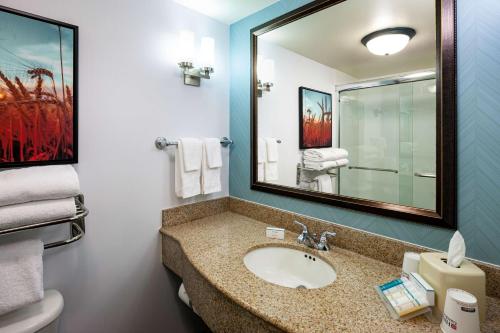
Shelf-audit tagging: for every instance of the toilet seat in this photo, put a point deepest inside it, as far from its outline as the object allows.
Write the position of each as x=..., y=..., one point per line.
x=33, y=317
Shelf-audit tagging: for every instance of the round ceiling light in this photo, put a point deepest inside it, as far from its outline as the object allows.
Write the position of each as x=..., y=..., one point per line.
x=388, y=41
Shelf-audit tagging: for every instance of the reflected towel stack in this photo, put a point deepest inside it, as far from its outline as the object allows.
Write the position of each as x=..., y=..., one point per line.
x=325, y=158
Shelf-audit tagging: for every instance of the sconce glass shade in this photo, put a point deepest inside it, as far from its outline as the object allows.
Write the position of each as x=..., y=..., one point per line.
x=207, y=52
x=186, y=46
x=388, y=41
x=268, y=71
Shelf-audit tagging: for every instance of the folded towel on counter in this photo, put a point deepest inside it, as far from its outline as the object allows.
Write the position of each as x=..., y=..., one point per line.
x=272, y=149
x=35, y=212
x=325, y=154
x=326, y=164
x=191, y=153
x=21, y=274
x=261, y=159
x=211, y=166
x=38, y=183
x=324, y=183
x=188, y=183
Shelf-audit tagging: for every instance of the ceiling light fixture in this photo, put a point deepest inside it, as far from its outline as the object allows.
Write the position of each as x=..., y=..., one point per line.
x=388, y=41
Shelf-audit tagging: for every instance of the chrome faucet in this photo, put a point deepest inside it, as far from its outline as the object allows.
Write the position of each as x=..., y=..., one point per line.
x=309, y=240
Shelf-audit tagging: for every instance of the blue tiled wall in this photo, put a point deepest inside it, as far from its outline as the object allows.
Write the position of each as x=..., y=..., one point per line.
x=478, y=136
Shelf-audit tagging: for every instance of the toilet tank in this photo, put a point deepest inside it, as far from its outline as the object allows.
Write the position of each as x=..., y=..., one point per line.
x=41, y=317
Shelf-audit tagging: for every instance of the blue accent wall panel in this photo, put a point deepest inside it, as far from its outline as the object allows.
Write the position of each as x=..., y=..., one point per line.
x=478, y=136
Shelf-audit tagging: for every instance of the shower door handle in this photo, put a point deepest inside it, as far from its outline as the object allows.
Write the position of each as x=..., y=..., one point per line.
x=373, y=169
x=425, y=175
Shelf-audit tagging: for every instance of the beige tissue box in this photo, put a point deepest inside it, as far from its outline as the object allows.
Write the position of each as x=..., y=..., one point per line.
x=441, y=277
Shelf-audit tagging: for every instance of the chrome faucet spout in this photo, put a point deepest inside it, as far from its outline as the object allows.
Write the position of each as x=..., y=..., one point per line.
x=309, y=240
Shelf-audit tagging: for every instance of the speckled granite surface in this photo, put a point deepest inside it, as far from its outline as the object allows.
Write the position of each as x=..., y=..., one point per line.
x=214, y=247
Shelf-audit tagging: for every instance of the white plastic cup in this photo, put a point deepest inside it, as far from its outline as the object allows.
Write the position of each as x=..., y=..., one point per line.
x=461, y=313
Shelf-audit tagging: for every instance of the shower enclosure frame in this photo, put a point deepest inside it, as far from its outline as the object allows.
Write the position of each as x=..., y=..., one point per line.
x=445, y=214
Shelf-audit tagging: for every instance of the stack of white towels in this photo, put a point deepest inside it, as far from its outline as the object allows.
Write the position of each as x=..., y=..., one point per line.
x=198, y=166
x=325, y=158
x=267, y=160
x=29, y=196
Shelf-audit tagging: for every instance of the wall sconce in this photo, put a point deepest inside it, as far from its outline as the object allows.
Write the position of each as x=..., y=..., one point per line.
x=193, y=76
x=265, y=75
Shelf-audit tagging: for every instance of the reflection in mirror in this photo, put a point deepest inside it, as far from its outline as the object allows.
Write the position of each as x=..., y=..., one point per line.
x=350, y=94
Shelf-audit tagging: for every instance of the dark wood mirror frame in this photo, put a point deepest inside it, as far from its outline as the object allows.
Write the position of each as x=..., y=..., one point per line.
x=446, y=183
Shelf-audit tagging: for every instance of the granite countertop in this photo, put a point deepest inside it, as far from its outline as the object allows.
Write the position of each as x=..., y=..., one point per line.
x=216, y=245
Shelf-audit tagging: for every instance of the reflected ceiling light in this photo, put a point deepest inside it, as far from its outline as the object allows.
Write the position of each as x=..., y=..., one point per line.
x=388, y=41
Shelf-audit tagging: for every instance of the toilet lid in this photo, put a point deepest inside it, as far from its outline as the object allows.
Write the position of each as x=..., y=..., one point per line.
x=33, y=317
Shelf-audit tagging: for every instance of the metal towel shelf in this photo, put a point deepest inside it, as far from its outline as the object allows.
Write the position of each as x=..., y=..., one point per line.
x=77, y=225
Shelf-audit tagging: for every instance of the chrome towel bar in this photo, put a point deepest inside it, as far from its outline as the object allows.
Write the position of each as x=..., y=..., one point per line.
x=162, y=143
x=425, y=175
x=77, y=225
x=373, y=169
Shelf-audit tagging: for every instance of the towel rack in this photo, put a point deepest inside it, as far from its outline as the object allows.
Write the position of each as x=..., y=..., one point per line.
x=162, y=143
x=77, y=225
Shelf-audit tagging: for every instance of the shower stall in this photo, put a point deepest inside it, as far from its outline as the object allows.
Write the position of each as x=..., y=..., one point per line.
x=389, y=129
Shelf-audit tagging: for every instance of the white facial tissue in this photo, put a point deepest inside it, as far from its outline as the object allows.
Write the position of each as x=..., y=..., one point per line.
x=456, y=250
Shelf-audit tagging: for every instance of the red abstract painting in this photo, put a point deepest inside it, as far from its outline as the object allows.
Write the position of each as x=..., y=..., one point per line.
x=37, y=96
x=315, y=119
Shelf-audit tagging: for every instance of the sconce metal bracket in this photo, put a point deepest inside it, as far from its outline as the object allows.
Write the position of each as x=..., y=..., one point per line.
x=261, y=87
x=193, y=76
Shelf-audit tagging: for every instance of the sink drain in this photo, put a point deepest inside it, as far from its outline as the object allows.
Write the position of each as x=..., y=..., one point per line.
x=301, y=287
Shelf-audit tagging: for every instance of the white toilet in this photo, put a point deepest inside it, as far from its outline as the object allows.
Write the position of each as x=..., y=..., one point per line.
x=40, y=317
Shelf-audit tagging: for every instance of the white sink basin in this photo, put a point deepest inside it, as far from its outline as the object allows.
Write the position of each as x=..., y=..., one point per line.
x=289, y=268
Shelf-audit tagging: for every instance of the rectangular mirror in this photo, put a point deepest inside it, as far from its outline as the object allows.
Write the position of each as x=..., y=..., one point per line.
x=353, y=104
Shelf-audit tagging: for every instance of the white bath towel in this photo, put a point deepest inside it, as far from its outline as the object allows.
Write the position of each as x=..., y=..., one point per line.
x=38, y=183
x=342, y=162
x=191, y=153
x=272, y=149
x=187, y=183
x=35, y=212
x=324, y=183
x=211, y=166
x=21, y=274
x=320, y=165
x=261, y=159
x=325, y=154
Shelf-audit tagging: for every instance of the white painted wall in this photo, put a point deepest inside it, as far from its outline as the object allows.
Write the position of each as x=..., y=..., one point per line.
x=130, y=92
x=279, y=109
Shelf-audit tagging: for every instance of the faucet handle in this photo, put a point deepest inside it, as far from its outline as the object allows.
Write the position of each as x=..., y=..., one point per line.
x=304, y=227
x=323, y=243
x=303, y=235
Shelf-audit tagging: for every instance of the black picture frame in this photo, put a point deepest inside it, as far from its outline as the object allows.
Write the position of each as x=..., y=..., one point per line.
x=303, y=118
x=64, y=158
x=445, y=214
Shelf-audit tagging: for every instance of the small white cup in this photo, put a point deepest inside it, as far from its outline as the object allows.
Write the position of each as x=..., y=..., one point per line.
x=461, y=313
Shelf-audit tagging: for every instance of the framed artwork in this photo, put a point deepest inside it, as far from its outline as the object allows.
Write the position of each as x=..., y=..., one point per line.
x=38, y=90
x=315, y=119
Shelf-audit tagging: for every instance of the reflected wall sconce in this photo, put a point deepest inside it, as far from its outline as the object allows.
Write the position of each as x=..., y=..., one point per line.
x=265, y=75
x=192, y=75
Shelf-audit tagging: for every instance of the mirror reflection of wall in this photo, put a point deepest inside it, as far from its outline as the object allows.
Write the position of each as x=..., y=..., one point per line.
x=352, y=101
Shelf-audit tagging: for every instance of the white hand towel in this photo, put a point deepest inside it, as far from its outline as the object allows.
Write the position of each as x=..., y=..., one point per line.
x=320, y=165
x=187, y=183
x=324, y=183
x=38, y=183
x=261, y=159
x=325, y=154
x=272, y=150
x=213, y=152
x=191, y=153
x=271, y=171
x=342, y=162
x=35, y=212
x=21, y=274
x=210, y=173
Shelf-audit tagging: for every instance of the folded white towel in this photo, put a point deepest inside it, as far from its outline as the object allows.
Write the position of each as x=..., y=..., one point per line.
x=191, y=153
x=325, y=154
x=21, y=274
x=210, y=172
x=272, y=149
x=38, y=183
x=35, y=212
x=320, y=165
x=187, y=183
x=261, y=159
x=324, y=183
x=342, y=162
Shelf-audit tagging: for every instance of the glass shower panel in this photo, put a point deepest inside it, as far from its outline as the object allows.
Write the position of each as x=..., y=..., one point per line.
x=369, y=130
x=424, y=144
